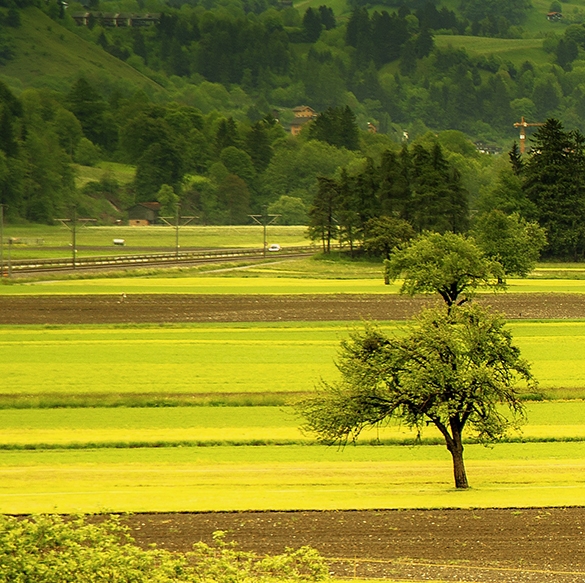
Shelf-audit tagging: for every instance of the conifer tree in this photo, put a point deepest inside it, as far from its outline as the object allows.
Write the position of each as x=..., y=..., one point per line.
x=554, y=181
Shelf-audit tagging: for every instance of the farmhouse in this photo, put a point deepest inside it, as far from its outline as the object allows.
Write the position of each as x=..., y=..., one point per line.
x=143, y=214
x=303, y=115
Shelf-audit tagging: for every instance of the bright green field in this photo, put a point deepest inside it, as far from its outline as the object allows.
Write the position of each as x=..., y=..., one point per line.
x=288, y=477
x=238, y=359
x=121, y=426
x=255, y=281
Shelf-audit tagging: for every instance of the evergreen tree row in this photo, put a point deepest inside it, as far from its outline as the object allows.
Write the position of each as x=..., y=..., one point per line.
x=417, y=186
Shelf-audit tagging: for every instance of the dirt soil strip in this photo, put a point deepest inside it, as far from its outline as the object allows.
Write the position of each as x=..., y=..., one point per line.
x=543, y=545
x=150, y=308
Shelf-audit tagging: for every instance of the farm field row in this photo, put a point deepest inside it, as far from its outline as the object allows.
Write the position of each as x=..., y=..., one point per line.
x=268, y=282
x=121, y=426
x=288, y=477
x=237, y=359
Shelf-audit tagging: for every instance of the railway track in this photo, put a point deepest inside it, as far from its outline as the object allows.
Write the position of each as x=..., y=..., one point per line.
x=188, y=257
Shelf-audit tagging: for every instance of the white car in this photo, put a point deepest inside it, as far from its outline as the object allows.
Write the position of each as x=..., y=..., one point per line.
x=274, y=247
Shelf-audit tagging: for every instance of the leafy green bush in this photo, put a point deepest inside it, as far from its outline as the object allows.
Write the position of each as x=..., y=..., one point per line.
x=53, y=549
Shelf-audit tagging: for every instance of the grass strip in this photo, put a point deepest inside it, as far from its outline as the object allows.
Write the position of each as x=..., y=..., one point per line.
x=140, y=400
x=215, y=361
x=397, y=442
x=136, y=401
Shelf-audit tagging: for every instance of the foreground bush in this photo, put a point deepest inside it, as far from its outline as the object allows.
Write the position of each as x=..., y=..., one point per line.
x=51, y=549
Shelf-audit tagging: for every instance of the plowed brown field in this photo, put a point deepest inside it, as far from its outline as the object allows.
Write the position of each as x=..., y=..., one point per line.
x=488, y=546
x=105, y=309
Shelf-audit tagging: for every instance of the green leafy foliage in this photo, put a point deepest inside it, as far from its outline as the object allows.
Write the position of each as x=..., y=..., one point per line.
x=510, y=240
x=383, y=234
x=419, y=187
x=451, y=265
x=48, y=549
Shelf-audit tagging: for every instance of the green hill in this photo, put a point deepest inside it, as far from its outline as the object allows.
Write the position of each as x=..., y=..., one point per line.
x=49, y=55
x=515, y=50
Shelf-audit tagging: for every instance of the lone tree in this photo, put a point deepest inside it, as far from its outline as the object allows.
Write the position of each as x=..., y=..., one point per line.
x=455, y=369
x=449, y=264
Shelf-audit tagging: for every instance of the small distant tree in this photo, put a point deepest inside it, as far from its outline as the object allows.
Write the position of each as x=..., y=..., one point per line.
x=454, y=369
x=327, y=17
x=511, y=240
x=312, y=25
x=449, y=264
x=382, y=234
x=292, y=210
x=169, y=200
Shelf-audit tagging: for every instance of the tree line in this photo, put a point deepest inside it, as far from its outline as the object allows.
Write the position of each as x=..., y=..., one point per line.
x=536, y=204
x=219, y=168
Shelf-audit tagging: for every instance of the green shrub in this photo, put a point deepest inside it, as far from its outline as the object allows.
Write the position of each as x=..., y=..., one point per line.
x=54, y=549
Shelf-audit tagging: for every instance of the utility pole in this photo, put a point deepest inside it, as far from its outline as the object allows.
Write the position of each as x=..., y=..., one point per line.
x=177, y=220
x=264, y=219
x=71, y=224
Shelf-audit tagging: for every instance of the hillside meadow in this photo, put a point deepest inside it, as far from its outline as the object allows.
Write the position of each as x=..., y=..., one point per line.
x=514, y=50
x=49, y=55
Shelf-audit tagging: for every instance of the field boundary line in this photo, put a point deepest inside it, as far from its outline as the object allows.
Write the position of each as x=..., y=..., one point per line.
x=450, y=565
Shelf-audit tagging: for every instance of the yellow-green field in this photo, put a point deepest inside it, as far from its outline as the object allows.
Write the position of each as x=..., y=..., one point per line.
x=146, y=458
x=288, y=477
x=208, y=426
x=230, y=358
x=254, y=282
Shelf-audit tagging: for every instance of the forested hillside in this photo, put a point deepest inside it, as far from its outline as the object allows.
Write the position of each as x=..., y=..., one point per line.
x=199, y=97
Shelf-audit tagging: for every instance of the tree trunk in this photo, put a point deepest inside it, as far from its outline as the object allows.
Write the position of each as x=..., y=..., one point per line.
x=456, y=449
x=454, y=444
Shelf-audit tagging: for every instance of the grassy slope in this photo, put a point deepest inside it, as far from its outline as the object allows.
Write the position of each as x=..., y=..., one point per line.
x=122, y=173
x=515, y=50
x=49, y=55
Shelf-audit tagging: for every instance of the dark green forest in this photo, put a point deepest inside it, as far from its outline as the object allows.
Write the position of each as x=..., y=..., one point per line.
x=395, y=118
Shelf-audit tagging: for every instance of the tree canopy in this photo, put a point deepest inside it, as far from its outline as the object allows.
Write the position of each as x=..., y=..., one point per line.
x=511, y=240
x=454, y=369
x=451, y=265
x=383, y=234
